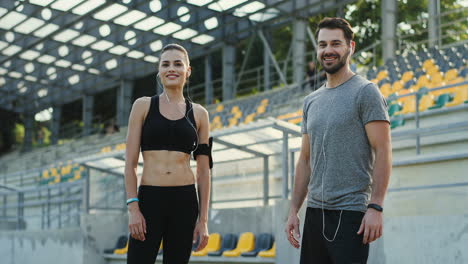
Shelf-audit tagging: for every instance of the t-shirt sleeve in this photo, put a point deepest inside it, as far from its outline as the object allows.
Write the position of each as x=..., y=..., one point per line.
x=372, y=105
x=304, y=117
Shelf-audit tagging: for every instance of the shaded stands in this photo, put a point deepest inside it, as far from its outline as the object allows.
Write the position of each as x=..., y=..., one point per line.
x=244, y=111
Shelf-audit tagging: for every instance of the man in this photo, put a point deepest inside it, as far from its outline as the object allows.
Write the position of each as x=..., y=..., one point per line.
x=345, y=158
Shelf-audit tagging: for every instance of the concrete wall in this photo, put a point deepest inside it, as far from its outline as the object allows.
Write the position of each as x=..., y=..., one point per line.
x=81, y=245
x=64, y=246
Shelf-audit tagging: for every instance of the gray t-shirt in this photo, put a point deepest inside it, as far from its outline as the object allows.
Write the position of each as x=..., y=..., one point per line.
x=341, y=156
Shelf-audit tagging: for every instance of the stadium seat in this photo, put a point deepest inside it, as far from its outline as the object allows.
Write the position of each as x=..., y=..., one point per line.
x=121, y=242
x=450, y=75
x=382, y=74
x=397, y=121
x=425, y=102
x=386, y=89
x=229, y=243
x=460, y=97
x=441, y=101
x=407, y=76
x=122, y=251
x=393, y=108
x=397, y=86
x=246, y=243
x=219, y=108
x=271, y=253
x=249, y=118
x=214, y=244
x=263, y=242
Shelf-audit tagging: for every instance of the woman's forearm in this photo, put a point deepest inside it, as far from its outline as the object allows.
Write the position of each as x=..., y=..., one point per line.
x=204, y=194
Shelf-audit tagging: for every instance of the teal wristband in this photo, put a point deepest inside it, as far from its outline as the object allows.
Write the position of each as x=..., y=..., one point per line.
x=131, y=200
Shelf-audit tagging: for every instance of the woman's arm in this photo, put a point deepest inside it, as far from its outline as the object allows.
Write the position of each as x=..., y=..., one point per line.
x=137, y=224
x=203, y=178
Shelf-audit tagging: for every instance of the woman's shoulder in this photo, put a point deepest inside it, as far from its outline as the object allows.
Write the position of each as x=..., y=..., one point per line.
x=198, y=108
x=142, y=101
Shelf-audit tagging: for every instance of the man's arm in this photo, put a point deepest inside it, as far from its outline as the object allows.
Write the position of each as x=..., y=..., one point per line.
x=301, y=181
x=378, y=134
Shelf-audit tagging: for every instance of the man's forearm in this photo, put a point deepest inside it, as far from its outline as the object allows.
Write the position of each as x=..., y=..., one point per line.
x=381, y=174
x=301, y=181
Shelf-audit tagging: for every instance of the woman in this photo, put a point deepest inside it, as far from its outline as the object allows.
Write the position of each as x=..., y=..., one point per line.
x=167, y=128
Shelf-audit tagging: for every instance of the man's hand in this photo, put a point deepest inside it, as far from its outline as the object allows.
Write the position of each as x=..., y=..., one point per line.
x=371, y=226
x=292, y=230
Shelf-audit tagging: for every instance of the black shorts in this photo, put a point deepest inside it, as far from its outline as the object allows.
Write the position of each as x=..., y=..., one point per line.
x=347, y=246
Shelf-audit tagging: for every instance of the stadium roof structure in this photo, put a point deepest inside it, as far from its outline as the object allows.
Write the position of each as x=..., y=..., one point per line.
x=54, y=51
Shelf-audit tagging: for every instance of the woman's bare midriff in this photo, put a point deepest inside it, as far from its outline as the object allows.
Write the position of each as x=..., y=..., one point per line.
x=166, y=168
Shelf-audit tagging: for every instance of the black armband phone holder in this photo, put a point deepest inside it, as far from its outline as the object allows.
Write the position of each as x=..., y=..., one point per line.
x=205, y=149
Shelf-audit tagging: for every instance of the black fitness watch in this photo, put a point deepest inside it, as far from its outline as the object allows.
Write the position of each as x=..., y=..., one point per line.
x=375, y=207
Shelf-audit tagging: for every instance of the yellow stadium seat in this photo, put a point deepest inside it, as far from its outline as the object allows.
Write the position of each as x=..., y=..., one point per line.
x=425, y=102
x=235, y=109
x=122, y=251
x=219, y=108
x=451, y=75
x=264, y=102
x=261, y=109
x=374, y=81
x=461, y=95
x=249, y=118
x=382, y=74
x=433, y=70
x=408, y=107
x=238, y=114
x=232, y=121
x=407, y=76
x=403, y=100
x=397, y=86
x=386, y=89
x=214, y=244
x=246, y=243
x=271, y=253
x=423, y=80
x=428, y=63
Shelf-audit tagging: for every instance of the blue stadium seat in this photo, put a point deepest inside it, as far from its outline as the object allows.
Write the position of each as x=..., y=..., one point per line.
x=229, y=243
x=263, y=242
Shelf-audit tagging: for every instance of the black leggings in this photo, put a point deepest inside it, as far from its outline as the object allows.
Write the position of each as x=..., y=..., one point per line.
x=171, y=214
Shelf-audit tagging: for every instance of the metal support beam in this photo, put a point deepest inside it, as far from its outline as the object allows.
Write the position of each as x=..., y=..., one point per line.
x=292, y=170
x=299, y=50
x=229, y=60
x=266, y=70
x=389, y=21
x=88, y=105
x=312, y=37
x=56, y=116
x=434, y=23
x=244, y=62
x=266, y=46
x=124, y=98
x=266, y=176
x=208, y=81
x=285, y=165
x=28, y=131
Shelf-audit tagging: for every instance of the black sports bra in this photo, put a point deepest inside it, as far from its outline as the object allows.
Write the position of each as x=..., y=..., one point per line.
x=160, y=133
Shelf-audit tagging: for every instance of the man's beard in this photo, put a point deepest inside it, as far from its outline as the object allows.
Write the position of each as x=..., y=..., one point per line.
x=335, y=68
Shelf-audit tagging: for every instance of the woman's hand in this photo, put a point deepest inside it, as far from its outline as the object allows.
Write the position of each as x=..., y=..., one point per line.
x=201, y=234
x=136, y=222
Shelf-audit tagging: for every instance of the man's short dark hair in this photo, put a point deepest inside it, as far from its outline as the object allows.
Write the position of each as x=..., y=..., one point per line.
x=334, y=23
